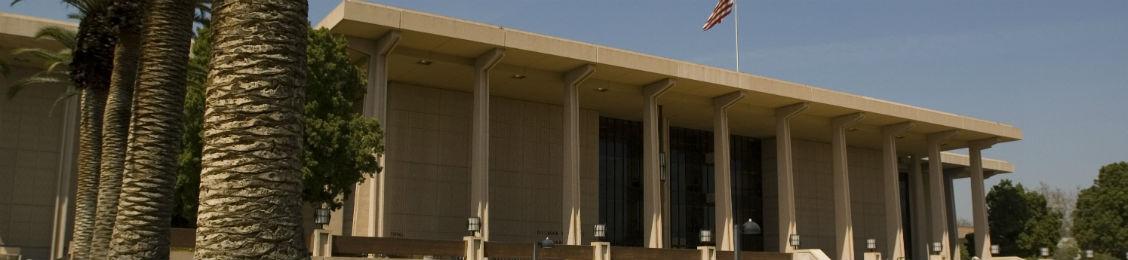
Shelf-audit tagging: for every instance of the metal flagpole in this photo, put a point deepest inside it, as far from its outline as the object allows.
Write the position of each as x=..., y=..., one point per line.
x=736, y=32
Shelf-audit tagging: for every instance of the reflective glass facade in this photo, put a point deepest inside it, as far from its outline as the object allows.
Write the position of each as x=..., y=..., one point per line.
x=690, y=178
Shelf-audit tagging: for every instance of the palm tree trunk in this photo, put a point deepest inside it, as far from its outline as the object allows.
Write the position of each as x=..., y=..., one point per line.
x=115, y=129
x=89, y=155
x=250, y=187
x=141, y=229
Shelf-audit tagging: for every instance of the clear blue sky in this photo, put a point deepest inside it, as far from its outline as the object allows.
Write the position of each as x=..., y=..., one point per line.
x=1056, y=69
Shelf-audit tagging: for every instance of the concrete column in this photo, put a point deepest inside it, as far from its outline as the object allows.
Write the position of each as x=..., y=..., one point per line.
x=919, y=209
x=376, y=106
x=893, y=246
x=571, y=178
x=950, y=208
x=978, y=198
x=843, y=221
x=936, y=183
x=722, y=170
x=601, y=251
x=786, y=211
x=651, y=170
x=480, y=140
x=68, y=142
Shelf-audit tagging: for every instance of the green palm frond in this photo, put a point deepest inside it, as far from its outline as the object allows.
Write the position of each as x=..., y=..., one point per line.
x=71, y=92
x=47, y=55
x=59, y=34
x=57, y=67
x=87, y=6
x=39, y=79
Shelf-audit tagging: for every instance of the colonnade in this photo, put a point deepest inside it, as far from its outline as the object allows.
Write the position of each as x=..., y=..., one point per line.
x=936, y=230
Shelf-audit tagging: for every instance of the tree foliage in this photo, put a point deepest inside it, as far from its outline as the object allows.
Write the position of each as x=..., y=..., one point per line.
x=1100, y=219
x=1020, y=221
x=340, y=144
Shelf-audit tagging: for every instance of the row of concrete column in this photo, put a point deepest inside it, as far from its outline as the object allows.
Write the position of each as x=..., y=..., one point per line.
x=893, y=248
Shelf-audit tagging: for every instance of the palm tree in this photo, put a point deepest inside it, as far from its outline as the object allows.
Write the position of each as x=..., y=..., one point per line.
x=141, y=229
x=56, y=64
x=250, y=186
x=115, y=126
x=89, y=69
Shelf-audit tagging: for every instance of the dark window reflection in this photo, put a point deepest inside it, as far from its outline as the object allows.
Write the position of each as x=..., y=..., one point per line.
x=691, y=181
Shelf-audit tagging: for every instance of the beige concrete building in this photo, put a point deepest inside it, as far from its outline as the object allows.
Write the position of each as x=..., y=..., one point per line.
x=541, y=136
x=37, y=145
x=545, y=137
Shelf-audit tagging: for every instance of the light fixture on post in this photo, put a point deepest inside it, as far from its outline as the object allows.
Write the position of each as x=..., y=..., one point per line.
x=748, y=228
x=706, y=237
x=1089, y=253
x=871, y=245
x=794, y=241
x=473, y=226
x=321, y=216
x=546, y=243
x=936, y=247
x=994, y=249
x=599, y=232
x=1045, y=252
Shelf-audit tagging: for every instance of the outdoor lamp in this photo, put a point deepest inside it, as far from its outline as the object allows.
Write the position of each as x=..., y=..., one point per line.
x=473, y=225
x=600, y=232
x=794, y=240
x=1089, y=254
x=994, y=249
x=1045, y=252
x=871, y=244
x=321, y=216
x=546, y=243
x=706, y=237
x=751, y=228
x=936, y=248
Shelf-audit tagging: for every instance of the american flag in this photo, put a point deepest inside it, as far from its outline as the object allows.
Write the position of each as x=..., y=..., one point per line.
x=723, y=8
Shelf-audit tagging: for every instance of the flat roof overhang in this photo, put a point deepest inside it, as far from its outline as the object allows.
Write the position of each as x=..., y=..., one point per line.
x=452, y=44
x=18, y=31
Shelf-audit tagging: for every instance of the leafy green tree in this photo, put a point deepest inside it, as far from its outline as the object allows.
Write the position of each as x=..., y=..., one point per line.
x=1100, y=220
x=339, y=142
x=1020, y=221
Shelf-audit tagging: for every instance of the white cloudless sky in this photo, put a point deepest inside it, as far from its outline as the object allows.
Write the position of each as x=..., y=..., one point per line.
x=1056, y=69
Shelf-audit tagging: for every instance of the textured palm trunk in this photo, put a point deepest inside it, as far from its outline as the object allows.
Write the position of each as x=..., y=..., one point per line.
x=250, y=186
x=141, y=229
x=89, y=155
x=115, y=127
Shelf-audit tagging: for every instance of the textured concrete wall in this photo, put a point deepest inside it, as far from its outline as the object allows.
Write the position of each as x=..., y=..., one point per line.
x=428, y=144
x=814, y=195
x=29, y=160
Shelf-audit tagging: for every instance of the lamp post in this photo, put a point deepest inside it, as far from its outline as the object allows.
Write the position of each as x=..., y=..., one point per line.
x=1045, y=252
x=473, y=225
x=706, y=237
x=1089, y=253
x=936, y=247
x=871, y=245
x=748, y=228
x=994, y=249
x=794, y=241
x=321, y=216
x=546, y=243
x=599, y=232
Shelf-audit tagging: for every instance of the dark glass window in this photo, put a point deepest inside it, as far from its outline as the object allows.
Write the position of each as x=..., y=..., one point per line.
x=620, y=179
x=747, y=181
x=690, y=177
x=691, y=185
